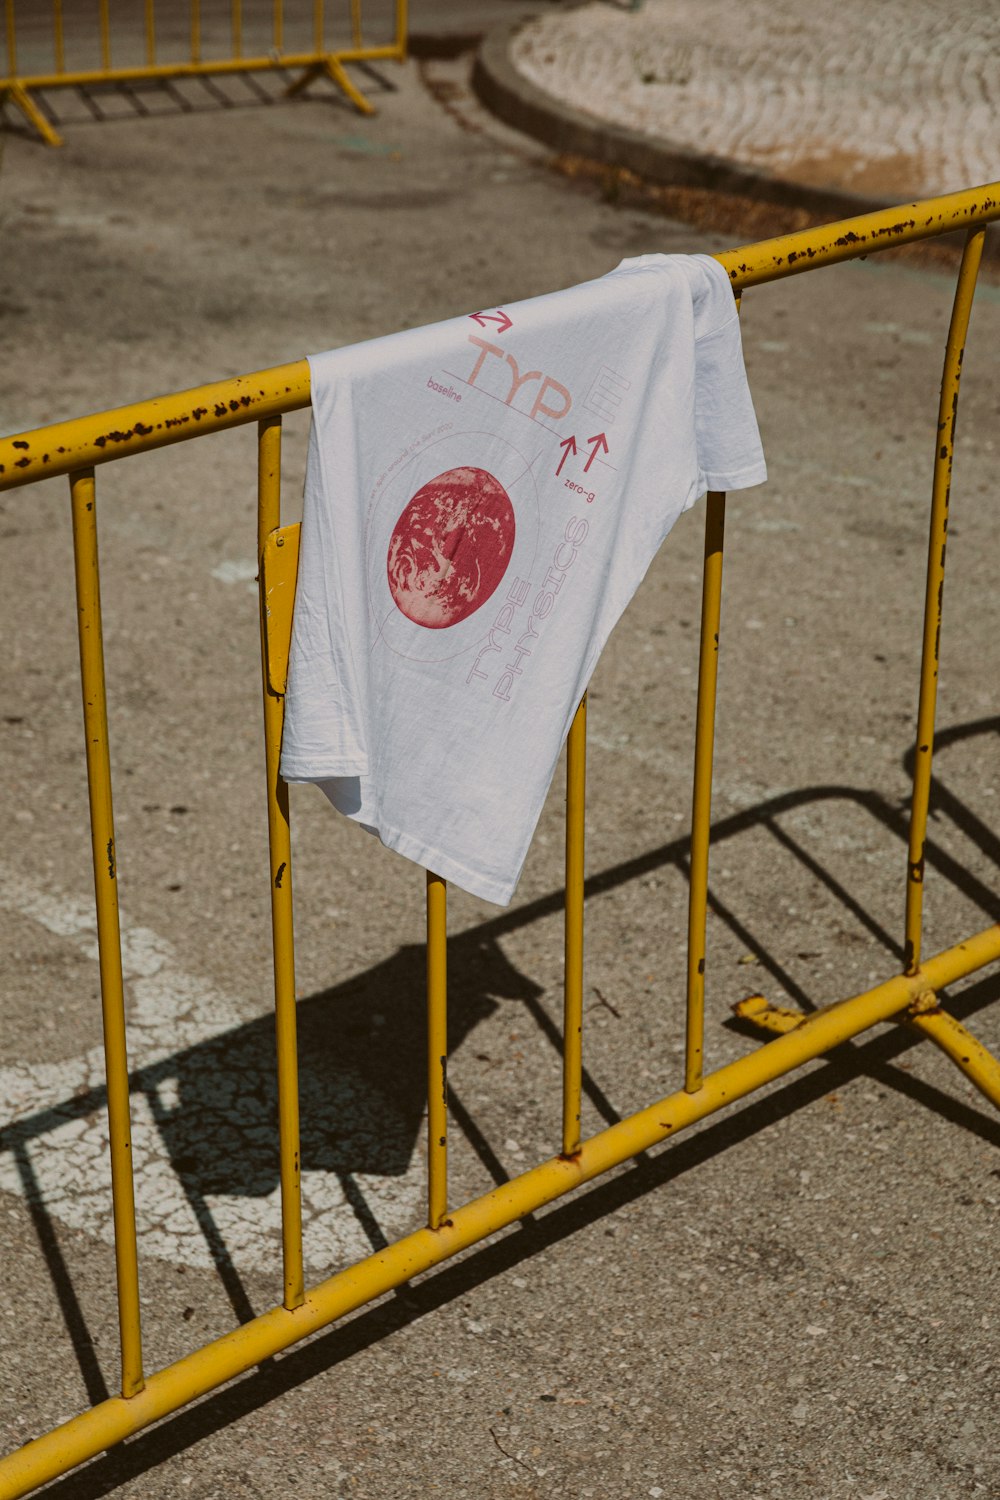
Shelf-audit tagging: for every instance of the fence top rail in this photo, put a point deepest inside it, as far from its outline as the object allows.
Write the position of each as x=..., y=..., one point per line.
x=84, y=442
x=852, y=239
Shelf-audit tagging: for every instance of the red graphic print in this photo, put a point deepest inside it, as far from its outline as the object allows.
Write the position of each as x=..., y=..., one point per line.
x=450, y=547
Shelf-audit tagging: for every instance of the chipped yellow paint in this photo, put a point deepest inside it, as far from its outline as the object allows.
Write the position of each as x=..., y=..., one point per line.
x=851, y=239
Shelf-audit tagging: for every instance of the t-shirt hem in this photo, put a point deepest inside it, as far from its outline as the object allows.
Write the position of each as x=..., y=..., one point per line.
x=293, y=770
x=735, y=479
x=498, y=891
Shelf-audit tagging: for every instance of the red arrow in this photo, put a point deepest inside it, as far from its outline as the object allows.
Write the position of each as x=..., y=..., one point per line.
x=568, y=445
x=499, y=317
x=599, y=442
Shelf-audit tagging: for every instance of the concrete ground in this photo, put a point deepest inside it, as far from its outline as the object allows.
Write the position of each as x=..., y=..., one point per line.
x=797, y=1299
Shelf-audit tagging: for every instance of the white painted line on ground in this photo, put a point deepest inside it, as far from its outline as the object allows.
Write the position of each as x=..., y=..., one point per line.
x=203, y=1119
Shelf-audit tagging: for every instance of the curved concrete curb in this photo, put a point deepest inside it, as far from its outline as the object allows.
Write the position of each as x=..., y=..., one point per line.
x=518, y=102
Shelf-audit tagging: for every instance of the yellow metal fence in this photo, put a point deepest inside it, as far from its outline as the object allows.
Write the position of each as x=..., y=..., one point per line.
x=75, y=449
x=316, y=57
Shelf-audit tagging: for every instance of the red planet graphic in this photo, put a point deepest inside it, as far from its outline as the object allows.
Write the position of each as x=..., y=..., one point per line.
x=450, y=547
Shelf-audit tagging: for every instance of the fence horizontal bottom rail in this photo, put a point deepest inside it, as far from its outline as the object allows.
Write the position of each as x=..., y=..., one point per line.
x=70, y=79
x=207, y=1368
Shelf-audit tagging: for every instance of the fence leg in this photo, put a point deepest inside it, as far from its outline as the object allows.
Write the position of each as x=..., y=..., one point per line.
x=309, y=76
x=19, y=95
x=331, y=67
x=337, y=73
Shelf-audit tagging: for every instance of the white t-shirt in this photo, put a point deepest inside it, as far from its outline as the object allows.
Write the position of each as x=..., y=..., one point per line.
x=483, y=497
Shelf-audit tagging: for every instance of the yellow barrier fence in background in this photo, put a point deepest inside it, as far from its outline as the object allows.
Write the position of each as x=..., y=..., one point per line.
x=317, y=60
x=75, y=448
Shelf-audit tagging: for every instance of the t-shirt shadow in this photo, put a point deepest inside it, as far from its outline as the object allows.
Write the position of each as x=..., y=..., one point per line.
x=362, y=1074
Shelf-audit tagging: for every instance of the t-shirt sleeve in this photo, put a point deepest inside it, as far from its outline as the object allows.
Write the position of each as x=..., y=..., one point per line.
x=730, y=456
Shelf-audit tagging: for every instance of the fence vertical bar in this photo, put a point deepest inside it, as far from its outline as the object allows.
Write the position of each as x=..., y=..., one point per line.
x=401, y=25
x=196, y=31
x=701, y=811
x=150, y=33
x=10, y=30
x=83, y=500
x=318, y=27
x=105, y=36
x=576, y=793
x=58, y=41
x=237, y=20
x=280, y=856
x=356, y=23
x=944, y=454
x=279, y=22
x=437, y=1051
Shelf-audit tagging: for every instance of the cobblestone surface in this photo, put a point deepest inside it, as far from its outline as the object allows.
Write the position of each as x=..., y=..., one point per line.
x=895, y=100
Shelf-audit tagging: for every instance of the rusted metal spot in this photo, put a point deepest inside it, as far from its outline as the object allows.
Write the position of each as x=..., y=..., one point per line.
x=925, y=1003
x=22, y=463
x=220, y=409
x=278, y=877
x=142, y=429
x=917, y=870
x=199, y=412
x=701, y=966
x=18, y=443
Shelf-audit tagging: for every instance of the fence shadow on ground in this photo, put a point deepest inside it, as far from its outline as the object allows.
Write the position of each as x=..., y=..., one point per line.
x=366, y=1037
x=168, y=97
